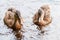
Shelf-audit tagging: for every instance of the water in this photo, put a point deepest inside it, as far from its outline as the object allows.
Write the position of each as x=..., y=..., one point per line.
x=28, y=9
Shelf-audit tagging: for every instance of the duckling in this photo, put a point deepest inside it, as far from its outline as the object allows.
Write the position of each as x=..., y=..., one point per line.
x=13, y=20
x=42, y=17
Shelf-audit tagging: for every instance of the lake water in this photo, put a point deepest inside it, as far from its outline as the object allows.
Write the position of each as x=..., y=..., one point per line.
x=27, y=9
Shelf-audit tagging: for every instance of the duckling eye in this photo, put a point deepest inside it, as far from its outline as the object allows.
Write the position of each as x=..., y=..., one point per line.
x=9, y=17
x=10, y=9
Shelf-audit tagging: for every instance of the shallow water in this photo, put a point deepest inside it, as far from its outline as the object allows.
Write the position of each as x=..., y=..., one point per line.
x=28, y=9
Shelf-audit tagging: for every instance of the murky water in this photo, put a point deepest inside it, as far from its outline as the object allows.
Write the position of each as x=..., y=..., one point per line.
x=28, y=9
